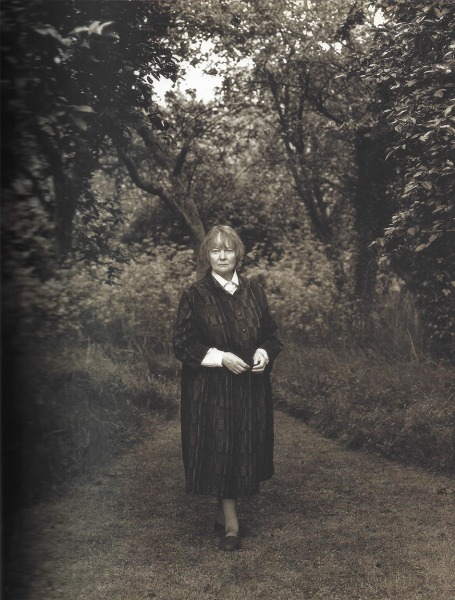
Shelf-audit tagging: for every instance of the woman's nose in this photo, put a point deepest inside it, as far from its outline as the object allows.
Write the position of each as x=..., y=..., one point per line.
x=222, y=254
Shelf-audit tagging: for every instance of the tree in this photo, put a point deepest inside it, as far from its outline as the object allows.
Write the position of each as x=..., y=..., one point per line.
x=78, y=74
x=211, y=168
x=413, y=65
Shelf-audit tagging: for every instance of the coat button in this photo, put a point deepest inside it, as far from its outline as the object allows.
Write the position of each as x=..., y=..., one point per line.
x=244, y=329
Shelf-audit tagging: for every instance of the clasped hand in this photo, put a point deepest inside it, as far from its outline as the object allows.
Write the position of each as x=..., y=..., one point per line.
x=236, y=365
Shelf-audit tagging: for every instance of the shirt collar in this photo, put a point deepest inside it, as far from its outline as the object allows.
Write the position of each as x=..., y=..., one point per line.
x=222, y=281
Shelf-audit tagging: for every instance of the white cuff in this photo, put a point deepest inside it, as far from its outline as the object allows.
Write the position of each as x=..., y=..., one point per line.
x=264, y=354
x=213, y=358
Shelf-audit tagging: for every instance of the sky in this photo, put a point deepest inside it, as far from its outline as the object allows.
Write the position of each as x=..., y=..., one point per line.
x=195, y=78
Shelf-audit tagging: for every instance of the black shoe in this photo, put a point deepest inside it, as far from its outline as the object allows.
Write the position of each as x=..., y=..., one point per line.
x=229, y=543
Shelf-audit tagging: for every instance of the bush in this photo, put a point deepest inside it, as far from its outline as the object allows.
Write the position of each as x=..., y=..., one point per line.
x=77, y=303
x=300, y=293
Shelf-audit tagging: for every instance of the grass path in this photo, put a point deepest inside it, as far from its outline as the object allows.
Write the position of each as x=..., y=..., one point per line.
x=331, y=525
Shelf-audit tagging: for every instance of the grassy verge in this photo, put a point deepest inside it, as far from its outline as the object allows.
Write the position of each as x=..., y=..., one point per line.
x=405, y=410
x=70, y=409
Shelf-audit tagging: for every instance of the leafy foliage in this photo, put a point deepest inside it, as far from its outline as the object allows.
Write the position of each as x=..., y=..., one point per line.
x=282, y=153
x=75, y=305
x=304, y=309
x=414, y=66
x=214, y=168
x=77, y=74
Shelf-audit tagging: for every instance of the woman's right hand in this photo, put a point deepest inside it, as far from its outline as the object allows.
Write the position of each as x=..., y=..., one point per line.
x=234, y=363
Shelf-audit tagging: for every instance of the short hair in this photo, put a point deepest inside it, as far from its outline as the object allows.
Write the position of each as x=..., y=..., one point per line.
x=228, y=239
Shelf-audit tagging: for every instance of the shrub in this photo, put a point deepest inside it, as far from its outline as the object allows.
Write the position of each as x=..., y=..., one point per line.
x=300, y=292
x=77, y=303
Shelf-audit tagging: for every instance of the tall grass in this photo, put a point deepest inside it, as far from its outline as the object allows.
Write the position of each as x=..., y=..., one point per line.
x=378, y=392
x=74, y=408
x=404, y=409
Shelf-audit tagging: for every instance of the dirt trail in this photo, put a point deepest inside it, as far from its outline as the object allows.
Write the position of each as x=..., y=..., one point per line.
x=331, y=525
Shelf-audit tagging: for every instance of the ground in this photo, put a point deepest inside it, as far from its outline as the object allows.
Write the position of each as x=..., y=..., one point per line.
x=331, y=524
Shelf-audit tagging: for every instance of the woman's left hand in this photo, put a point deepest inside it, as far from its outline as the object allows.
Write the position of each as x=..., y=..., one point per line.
x=259, y=362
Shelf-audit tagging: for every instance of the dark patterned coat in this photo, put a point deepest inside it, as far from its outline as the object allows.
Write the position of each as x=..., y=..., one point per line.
x=226, y=419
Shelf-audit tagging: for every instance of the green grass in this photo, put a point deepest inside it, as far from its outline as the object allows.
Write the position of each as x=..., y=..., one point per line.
x=403, y=409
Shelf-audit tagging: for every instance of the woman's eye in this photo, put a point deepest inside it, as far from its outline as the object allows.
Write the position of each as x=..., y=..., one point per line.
x=226, y=251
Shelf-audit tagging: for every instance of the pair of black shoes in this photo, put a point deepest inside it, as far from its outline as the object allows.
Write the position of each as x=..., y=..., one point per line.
x=228, y=543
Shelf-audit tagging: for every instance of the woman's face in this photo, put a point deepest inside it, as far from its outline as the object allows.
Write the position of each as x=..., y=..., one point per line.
x=223, y=259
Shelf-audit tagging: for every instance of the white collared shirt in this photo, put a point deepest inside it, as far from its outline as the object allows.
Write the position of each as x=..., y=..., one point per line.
x=222, y=281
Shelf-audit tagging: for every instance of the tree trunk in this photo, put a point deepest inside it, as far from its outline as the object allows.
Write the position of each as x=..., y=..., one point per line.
x=372, y=213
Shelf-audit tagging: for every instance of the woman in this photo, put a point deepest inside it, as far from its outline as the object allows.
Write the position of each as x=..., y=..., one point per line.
x=226, y=339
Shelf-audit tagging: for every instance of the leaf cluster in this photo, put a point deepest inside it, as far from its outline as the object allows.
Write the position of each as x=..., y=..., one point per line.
x=414, y=66
x=76, y=75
